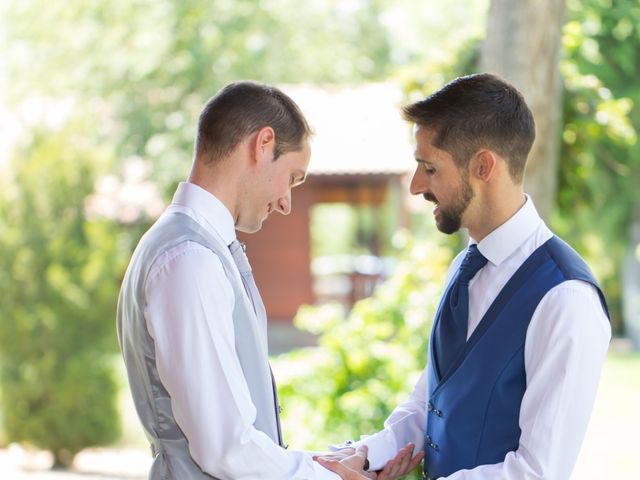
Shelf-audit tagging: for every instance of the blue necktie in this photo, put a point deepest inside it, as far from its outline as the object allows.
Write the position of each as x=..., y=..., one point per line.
x=450, y=335
x=242, y=262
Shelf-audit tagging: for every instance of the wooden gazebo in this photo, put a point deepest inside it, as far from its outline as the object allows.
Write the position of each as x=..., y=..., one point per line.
x=361, y=154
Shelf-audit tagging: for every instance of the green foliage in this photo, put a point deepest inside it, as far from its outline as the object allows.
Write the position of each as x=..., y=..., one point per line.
x=599, y=163
x=367, y=361
x=156, y=62
x=134, y=75
x=59, y=277
x=600, y=158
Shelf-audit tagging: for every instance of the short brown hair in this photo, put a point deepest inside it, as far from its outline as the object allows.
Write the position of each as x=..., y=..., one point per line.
x=242, y=108
x=474, y=112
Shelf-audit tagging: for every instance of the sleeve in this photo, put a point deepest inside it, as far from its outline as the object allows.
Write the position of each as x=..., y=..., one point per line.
x=189, y=315
x=404, y=425
x=565, y=349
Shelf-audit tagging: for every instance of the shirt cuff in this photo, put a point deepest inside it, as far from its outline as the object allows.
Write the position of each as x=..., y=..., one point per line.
x=381, y=446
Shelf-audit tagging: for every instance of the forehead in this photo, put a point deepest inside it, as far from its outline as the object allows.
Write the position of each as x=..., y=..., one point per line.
x=424, y=148
x=299, y=159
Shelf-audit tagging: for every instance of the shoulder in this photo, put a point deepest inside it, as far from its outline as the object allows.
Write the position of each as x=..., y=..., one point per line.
x=572, y=308
x=188, y=260
x=570, y=263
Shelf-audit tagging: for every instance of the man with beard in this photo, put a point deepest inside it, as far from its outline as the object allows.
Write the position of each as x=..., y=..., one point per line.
x=521, y=333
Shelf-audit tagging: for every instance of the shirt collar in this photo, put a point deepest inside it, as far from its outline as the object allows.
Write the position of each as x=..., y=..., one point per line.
x=508, y=237
x=208, y=209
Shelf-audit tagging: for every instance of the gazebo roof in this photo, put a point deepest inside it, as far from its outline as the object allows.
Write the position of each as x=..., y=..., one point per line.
x=358, y=130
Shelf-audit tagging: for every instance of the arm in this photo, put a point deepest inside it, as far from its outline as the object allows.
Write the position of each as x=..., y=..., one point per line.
x=189, y=315
x=566, y=345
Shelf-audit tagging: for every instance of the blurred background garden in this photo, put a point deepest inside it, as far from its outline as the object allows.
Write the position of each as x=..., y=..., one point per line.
x=98, y=105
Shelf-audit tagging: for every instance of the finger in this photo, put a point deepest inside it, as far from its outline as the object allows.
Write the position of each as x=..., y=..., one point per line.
x=399, y=461
x=340, y=469
x=337, y=455
x=385, y=473
x=406, y=465
x=389, y=472
x=399, y=465
x=340, y=454
x=333, y=465
x=357, y=460
x=416, y=460
x=403, y=461
x=361, y=452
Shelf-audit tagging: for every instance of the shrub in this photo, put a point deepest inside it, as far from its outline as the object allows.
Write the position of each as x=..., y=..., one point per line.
x=59, y=277
x=368, y=360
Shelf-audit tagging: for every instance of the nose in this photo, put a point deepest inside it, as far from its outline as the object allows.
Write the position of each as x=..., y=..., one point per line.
x=284, y=204
x=418, y=182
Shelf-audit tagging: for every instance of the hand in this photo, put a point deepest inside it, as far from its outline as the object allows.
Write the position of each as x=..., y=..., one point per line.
x=401, y=464
x=336, y=454
x=349, y=467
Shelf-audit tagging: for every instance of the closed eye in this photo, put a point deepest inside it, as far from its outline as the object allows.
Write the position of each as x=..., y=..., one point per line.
x=428, y=167
x=296, y=181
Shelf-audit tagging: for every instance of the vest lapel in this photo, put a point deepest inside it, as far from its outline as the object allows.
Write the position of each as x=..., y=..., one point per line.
x=517, y=281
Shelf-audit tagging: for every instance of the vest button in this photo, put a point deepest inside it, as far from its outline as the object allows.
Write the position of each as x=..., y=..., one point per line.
x=438, y=412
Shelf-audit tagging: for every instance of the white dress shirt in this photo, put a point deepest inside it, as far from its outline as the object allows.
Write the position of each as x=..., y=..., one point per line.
x=565, y=348
x=189, y=316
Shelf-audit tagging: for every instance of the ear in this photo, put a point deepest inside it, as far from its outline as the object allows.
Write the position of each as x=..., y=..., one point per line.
x=484, y=165
x=265, y=144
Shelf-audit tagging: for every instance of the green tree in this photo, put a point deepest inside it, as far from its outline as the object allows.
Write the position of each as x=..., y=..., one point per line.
x=114, y=84
x=59, y=272
x=154, y=63
x=598, y=199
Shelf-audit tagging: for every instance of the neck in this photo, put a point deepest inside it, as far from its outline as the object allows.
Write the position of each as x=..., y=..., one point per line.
x=495, y=211
x=218, y=180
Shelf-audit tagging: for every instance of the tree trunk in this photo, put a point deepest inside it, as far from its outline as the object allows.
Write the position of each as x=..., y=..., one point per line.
x=523, y=45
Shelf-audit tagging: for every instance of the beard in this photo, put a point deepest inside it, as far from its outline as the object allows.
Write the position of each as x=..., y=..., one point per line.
x=449, y=219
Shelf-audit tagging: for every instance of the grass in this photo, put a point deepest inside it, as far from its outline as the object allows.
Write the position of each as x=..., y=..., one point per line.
x=610, y=449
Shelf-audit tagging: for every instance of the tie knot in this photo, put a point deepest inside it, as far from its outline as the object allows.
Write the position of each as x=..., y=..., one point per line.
x=237, y=249
x=473, y=261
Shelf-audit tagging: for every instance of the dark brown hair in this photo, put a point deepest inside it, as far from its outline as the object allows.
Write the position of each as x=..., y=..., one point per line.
x=242, y=108
x=474, y=112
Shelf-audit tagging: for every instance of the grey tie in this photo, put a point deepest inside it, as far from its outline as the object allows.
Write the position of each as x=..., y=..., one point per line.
x=242, y=262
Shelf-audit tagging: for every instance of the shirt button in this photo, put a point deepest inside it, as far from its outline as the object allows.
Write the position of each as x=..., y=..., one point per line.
x=427, y=439
x=430, y=407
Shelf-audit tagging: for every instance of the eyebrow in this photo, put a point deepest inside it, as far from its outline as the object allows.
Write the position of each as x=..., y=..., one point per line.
x=420, y=160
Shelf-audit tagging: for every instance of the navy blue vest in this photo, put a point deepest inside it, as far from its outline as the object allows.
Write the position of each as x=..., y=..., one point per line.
x=473, y=411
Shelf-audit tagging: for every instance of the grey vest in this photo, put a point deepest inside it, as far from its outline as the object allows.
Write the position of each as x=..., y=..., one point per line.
x=153, y=403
